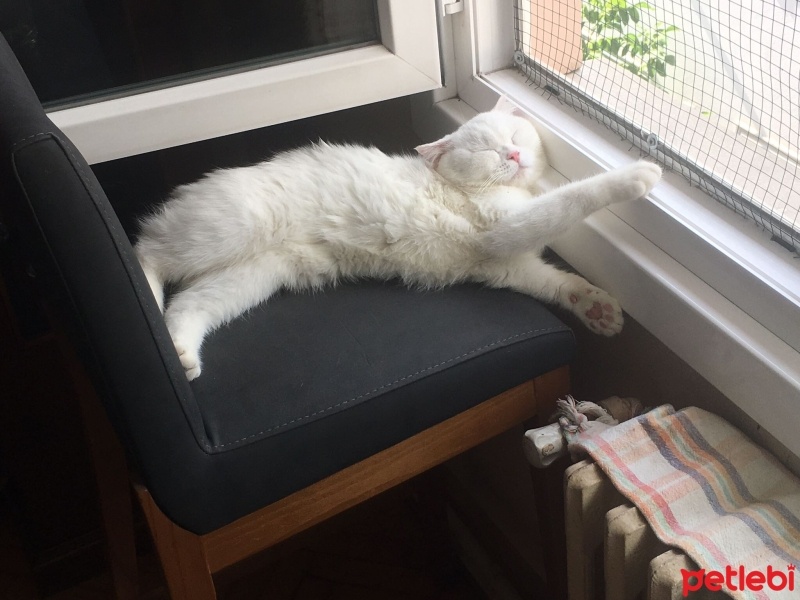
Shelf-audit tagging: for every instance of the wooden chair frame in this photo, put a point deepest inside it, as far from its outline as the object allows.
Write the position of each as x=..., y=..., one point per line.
x=190, y=561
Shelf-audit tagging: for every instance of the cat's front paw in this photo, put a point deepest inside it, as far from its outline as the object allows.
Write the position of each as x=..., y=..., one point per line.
x=190, y=359
x=599, y=311
x=638, y=179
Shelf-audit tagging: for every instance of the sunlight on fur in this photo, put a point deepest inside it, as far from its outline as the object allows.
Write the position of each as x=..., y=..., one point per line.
x=465, y=208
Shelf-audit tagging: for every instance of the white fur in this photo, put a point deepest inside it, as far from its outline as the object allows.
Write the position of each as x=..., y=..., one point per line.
x=467, y=208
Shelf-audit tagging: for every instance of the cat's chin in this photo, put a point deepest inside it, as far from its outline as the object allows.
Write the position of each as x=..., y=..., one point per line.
x=520, y=178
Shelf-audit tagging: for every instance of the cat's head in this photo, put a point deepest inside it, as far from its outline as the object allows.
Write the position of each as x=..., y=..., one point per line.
x=499, y=147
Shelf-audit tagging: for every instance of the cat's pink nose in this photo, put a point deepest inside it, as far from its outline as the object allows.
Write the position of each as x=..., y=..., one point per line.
x=514, y=155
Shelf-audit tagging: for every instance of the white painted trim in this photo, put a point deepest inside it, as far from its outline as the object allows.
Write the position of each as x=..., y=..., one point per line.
x=409, y=30
x=143, y=122
x=492, y=20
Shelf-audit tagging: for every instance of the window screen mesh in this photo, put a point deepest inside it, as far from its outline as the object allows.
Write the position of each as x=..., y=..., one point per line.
x=711, y=89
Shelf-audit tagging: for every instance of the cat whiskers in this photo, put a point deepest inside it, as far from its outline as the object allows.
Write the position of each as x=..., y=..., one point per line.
x=489, y=181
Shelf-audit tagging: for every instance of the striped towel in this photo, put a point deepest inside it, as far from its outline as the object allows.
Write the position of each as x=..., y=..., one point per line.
x=705, y=488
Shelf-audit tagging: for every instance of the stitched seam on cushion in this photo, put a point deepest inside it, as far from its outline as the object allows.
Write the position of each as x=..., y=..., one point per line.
x=42, y=134
x=387, y=385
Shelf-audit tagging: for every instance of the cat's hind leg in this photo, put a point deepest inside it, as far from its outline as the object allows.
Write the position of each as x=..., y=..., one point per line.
x=596, y=308
x=531, y=275
x=216, y=298
x=153, y=275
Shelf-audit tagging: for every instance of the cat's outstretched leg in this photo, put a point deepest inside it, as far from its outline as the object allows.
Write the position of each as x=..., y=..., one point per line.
x=214, y=299
x=529, y=274
x=536, y=222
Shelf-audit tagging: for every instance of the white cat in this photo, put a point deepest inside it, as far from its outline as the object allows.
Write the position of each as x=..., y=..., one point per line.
x=465, y=209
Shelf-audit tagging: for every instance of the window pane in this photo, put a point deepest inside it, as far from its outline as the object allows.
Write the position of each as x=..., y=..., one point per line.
x=77, y=50
x=708, y=88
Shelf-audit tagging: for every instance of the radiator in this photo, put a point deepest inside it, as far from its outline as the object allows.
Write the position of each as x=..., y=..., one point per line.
x=612, y=553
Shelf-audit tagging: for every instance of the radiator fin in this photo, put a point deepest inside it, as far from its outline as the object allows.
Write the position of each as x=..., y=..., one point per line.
x=612, y=553
x=630, y=545
x=665, y=582
x=589, y=496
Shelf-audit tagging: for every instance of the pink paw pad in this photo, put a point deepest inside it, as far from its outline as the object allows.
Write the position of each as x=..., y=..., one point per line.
x=595, y=312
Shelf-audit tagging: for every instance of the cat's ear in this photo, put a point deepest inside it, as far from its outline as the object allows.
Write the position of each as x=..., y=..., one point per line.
x=505, y=106
x=434, y=151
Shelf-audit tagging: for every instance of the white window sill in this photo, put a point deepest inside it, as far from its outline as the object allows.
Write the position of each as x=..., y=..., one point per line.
x=704, y=281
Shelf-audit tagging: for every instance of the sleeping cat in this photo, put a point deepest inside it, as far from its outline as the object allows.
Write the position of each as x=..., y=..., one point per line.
x=466, y=208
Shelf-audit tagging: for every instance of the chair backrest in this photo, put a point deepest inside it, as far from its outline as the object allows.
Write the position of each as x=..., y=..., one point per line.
x=65, y=227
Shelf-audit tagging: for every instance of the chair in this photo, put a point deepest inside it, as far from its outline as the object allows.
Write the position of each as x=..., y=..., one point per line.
x=308, y=406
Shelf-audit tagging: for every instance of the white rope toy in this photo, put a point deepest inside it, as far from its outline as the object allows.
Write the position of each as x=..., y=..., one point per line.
x=544, y=445
x=575, y=416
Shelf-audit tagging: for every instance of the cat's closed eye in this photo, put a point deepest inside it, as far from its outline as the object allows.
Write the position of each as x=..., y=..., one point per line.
x=487, y=152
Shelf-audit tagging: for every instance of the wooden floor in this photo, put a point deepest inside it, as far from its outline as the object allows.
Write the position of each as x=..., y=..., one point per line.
x=393, y=547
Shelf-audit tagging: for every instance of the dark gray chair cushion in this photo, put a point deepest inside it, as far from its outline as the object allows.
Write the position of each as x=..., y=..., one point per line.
x=293, y=391
x=308, y=384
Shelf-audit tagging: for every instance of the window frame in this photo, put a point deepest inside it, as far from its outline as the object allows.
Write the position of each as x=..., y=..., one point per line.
x=707, y=283
x=406, y=62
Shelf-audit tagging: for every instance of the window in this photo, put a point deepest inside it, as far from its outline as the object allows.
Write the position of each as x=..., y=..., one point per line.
x=705, y=281
x=82, y=50
x=145, y=74
x=710, y=89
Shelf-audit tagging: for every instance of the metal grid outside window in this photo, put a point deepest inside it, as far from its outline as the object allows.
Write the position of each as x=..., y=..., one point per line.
x=709, y=89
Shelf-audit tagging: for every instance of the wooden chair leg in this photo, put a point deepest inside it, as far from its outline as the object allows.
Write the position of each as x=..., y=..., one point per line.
x=182, y=554
x=113, y=486
x=548, y=485
x=116, y=510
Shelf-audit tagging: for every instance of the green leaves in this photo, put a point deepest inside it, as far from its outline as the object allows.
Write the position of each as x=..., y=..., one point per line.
x=614, y=28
